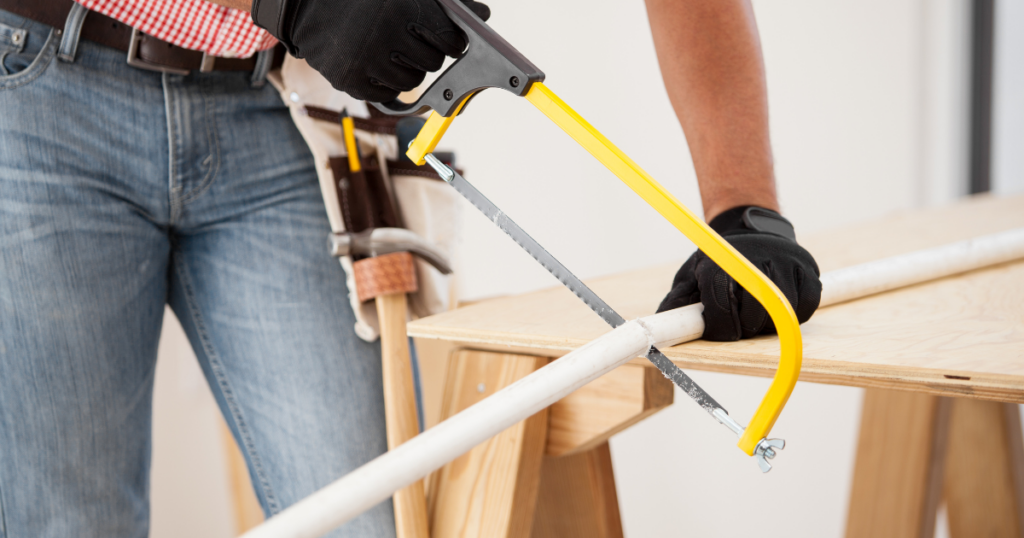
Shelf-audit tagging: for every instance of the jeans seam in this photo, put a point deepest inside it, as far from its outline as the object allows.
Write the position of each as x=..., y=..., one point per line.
x=37, y=67
x=225, y=387
x=3, y=514
x=170, y=107
x=213, y=136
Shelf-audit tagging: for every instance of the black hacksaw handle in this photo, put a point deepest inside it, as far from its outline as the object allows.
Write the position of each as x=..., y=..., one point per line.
x=488, y=62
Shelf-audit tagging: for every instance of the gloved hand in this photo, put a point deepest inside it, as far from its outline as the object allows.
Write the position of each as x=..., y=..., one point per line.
x=768, y=241
x=370, y=49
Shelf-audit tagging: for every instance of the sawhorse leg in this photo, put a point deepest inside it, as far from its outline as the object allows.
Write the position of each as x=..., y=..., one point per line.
x=492, y=489
x=577, y=497
x=916, y=450
x=507, y=487
x=984, y=489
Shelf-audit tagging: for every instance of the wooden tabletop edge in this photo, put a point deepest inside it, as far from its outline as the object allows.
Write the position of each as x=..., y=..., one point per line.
x=495, y=340
x=941, y=382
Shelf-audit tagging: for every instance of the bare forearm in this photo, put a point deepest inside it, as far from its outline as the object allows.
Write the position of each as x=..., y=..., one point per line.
x=710, y=57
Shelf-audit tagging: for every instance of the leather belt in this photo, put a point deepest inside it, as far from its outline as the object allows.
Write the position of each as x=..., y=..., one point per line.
x=144, y=52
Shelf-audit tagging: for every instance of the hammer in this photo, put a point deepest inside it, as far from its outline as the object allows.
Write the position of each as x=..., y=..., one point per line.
x=387, y=275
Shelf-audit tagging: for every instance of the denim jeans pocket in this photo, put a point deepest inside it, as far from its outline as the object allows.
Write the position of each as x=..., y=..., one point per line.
x=24, y=55
x=12, y=41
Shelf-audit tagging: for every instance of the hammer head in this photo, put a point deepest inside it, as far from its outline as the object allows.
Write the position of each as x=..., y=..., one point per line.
x=351, y=244
x=380, y=241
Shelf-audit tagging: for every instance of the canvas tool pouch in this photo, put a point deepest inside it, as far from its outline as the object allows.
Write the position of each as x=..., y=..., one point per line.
x=387, y=193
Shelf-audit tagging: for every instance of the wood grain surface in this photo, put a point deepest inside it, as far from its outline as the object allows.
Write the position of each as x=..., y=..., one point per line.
x=492, y=489
x=577, y=497
x=958, y=336
x=897, y=478
x=984, y=463
x=917, y=449
x=613, y=402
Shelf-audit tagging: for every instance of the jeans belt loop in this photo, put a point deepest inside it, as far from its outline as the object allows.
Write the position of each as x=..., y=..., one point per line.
x=259, y=74
x=206, y=65
x=72, y=31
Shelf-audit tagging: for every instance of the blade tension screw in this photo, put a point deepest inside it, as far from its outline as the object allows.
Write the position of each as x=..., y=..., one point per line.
x=448, y=95
x=514, y=81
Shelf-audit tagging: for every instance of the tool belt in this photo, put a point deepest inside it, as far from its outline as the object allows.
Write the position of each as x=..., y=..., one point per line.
x=143, y=51
x=420, y=201
x=386, y=193
x=368, y=199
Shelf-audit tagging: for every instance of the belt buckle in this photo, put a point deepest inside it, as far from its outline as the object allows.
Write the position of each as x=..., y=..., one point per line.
x=139, y=63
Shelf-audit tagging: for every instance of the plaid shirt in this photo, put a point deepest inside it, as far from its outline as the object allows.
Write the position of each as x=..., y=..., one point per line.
x=191, y=24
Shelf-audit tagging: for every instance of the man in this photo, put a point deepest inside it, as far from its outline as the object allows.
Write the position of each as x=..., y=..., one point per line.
x=124, y=188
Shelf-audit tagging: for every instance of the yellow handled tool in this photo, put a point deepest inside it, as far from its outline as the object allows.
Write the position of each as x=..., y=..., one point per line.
x=490, y=61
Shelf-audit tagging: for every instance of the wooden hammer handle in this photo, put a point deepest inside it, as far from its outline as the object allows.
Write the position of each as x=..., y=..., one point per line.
x=400, y=409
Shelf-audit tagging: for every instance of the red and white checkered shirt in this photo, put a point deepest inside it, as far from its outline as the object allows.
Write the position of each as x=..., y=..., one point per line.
x=190, y=24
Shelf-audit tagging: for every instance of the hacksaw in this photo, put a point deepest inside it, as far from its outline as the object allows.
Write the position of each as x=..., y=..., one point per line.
x=491, y=62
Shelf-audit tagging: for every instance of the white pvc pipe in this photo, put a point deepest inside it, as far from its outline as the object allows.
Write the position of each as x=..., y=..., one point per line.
x=374, y=482
x=921, y=266
x=379, y=479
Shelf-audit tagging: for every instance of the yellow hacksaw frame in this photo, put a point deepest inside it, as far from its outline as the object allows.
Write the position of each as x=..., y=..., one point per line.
x=706, y=239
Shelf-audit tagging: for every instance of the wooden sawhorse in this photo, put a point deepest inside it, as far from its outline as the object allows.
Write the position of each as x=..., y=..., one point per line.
x=550, y=475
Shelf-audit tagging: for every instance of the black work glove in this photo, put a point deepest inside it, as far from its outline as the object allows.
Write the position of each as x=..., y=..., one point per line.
x=730, y=312
x=370, y=49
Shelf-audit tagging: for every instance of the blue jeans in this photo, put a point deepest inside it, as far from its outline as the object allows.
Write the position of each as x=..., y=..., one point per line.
x=123, y=190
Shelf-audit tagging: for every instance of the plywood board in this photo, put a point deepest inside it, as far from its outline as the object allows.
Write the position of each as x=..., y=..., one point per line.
x=959, y=336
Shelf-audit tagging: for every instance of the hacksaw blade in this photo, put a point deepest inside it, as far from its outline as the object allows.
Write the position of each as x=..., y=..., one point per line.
x=568, y=279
